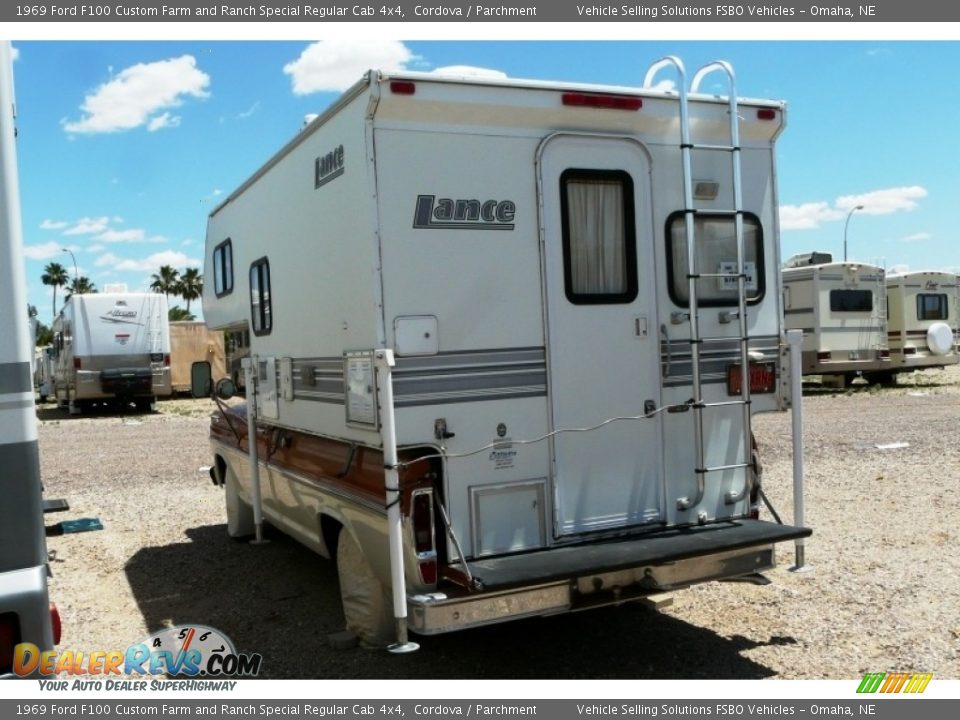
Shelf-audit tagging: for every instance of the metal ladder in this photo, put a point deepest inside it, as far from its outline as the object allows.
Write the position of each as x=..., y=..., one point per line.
x=693, y=275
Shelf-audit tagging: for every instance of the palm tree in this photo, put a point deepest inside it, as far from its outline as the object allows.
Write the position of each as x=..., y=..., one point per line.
x=191, y=286
x=56, y=275
x=80, y=286
x=177, y=313
x=166, y=281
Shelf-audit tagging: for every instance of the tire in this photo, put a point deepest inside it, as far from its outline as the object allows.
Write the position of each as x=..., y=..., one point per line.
x=367, y=606
x=144, y=404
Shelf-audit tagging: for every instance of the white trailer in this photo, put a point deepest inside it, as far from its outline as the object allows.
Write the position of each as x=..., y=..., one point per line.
x=27, y=618
x=110, y=348
x=841, y=309
x=475, y=377
x=923, y=320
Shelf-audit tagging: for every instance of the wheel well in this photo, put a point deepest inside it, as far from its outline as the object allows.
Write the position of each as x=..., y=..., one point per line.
x=330, y=533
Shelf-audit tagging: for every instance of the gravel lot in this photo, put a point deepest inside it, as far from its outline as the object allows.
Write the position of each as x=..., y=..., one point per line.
x=884, y=594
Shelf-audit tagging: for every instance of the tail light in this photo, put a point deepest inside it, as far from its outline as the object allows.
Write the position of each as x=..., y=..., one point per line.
x=421, y=514
x=56, y=623
x=884, y=354
x=824, y=355
x=763, y=378
x=9, y=638
x=76, y=363
x=166, y=360
x=602, y=101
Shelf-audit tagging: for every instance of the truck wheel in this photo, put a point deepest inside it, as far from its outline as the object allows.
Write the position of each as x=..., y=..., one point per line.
x=366, y=605
x=145, y=404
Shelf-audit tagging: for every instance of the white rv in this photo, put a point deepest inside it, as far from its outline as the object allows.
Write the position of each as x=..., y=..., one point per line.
x=479, y=384
x=112, y=347
x=923, y=318
x=841, y=308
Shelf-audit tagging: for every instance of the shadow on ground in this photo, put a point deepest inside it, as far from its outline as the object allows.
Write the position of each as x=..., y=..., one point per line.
x=282, y=601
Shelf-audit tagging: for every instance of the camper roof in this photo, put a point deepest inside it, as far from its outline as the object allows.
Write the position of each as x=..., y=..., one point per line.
x=374, y=77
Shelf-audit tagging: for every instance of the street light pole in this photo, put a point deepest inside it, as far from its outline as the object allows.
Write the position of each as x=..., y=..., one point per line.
x=845, y=226
x=76, y=275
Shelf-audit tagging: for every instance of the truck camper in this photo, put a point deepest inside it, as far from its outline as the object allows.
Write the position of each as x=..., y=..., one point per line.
x=540, y=317
x=112, y=348
x=841, y=308
x=923, y=319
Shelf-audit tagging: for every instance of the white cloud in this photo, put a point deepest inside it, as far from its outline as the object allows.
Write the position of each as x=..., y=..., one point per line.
x=95, y=248
x=883, y=202
x=335, y=65
x=916, y=237
x=878, y=202
x=117, y=236
x=807, y=216
x=147, y=264
x=42, y=252
x=53, y=225
x=163, y=121
x=88, y=226
x=469, y=71
x=136, y=96
x=247, y=113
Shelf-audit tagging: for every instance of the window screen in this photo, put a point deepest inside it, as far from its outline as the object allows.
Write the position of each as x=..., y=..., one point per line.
x=223, y=268
x=932, y=306
x=599, y=236
x=851, y=300
x=261, y=312
x=715, y=252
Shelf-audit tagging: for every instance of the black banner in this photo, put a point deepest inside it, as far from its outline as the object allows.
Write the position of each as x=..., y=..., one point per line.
x=579, y=11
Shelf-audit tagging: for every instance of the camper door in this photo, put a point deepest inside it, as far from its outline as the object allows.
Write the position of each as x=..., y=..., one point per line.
x=602, y=344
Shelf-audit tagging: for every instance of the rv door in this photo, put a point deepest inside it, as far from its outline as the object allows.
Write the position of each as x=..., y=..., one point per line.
x=603, y=345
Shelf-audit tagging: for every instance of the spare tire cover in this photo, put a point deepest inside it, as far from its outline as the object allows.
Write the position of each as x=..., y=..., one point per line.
x=940, y=338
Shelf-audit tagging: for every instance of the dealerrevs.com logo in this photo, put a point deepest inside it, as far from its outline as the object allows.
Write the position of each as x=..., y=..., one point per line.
x=895, y=682
x=182, y=651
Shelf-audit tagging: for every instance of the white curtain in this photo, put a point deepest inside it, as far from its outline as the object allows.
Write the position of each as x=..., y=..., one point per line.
x=597, y=239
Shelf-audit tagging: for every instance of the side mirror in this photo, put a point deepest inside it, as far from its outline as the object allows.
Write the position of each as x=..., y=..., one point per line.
x=201, y=379
x=225, y=389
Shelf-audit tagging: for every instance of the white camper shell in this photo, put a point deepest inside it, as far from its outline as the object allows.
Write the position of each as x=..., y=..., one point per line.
x=112, y=347
x=923, y=319
x=841, y=309
x=484, y=287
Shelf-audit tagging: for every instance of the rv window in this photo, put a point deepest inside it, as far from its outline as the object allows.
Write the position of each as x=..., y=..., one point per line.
x=261, y=313
x=715, y=253
x=932, y=307
x=223, y=268
x=599, y=237
x=851, y=301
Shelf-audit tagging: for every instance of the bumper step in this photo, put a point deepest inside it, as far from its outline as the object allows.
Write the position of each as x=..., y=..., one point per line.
x=655, y=548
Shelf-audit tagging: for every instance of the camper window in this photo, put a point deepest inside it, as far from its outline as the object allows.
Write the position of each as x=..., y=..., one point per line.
x=599, y=236
x=715, y=252
x=261, y=313
x=932, y=306
x=851, y=301
x=223, y=268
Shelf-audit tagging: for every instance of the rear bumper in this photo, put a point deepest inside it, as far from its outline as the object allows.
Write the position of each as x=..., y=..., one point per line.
x=577, y=577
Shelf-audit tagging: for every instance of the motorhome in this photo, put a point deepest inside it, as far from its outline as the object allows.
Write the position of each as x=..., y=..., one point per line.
x=841, y=308
x=923, y=319
x=541, y=316
x=112, y=348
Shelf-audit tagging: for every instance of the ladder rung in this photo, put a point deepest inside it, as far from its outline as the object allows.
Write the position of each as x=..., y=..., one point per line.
x=732, y=276
x=721, y=212
x=718, y=468
x=706, y=146
x=725, y=403
x=722, y=339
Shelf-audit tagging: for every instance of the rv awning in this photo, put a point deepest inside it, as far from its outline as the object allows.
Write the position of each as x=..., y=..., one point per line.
x=656, y=548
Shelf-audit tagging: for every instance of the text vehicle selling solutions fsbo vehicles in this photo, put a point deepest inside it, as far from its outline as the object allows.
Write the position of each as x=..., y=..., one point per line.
x=506, y=339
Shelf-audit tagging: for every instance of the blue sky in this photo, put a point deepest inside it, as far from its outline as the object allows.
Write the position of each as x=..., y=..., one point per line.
x=124, y=147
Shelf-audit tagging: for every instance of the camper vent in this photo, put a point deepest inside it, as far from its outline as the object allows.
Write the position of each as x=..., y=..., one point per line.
x=810, y=258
